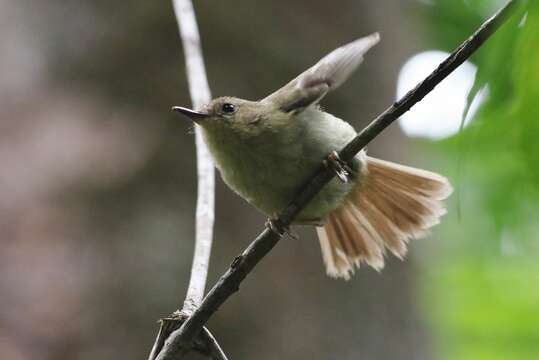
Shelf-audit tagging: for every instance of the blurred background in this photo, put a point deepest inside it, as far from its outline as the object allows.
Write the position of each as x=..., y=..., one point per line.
x=97, y=181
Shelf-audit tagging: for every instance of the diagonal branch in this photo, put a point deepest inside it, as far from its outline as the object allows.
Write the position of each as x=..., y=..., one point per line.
x=243, y=264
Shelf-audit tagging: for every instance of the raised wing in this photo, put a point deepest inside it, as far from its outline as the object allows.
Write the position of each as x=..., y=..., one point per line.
x=326, y=75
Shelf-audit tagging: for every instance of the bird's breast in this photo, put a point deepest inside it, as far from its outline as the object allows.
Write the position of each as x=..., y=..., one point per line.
x=268, y=170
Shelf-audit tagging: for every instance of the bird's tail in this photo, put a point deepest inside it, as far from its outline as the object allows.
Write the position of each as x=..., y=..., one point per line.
x=392, y=204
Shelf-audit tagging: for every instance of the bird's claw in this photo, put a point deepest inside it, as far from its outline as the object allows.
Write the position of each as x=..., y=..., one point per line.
x=334, y=163
x=275, y=225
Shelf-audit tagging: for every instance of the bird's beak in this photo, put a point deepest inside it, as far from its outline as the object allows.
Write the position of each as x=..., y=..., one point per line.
x=195, y=116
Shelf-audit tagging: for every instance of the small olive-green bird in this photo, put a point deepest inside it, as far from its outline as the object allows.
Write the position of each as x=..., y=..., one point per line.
x=266, y=150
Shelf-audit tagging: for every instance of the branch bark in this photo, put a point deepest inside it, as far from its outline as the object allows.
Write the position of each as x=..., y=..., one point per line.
x=243, y=264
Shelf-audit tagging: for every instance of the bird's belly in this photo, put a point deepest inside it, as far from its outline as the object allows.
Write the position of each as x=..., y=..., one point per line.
x=269, y=180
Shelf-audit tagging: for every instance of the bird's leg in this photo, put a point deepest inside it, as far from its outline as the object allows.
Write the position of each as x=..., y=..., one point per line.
x=334, y=163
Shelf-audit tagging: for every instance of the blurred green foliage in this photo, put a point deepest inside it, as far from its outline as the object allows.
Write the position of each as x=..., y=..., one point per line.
x=483, y=288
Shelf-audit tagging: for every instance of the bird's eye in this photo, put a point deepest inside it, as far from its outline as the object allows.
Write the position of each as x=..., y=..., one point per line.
x=228, y=108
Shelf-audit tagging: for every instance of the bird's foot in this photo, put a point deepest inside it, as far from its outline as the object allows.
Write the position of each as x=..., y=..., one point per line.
x=275, y=225
x=334, y=163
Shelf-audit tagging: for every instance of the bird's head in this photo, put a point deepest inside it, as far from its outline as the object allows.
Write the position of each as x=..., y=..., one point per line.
x=234, y=116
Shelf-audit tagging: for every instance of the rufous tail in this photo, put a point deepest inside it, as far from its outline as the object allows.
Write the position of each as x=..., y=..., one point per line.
x=390, y=205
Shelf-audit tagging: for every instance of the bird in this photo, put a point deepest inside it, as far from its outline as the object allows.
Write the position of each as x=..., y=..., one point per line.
x=266, y=150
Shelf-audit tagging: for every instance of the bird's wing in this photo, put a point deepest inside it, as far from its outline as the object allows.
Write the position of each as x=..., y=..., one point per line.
x=326, y=75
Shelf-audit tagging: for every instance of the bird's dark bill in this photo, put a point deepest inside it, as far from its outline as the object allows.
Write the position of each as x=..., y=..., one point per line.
x=195, y=116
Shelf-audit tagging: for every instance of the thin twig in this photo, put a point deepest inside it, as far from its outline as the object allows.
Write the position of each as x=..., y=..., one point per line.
x=166, y=327
x=212, y=346
x=200, y=95
x=243, y=264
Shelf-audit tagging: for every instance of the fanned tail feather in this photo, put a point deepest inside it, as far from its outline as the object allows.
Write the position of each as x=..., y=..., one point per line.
x=390, y=205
